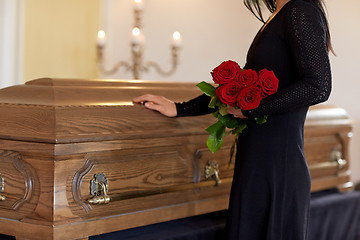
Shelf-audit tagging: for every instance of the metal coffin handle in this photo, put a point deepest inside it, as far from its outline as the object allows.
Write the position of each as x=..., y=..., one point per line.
x=336, y=156
x=99, y=189
x=2, y=188
x=212, y=172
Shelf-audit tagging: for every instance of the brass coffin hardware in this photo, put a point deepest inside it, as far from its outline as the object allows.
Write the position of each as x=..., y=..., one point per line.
x=99, y=189
x=2, y=188
x=336, y=156
x=212, y=172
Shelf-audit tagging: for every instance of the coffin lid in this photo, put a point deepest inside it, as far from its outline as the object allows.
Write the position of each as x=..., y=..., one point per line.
x=77, y=110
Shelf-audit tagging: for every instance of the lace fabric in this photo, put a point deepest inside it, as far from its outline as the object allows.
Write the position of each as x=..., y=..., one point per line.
x=194, y=107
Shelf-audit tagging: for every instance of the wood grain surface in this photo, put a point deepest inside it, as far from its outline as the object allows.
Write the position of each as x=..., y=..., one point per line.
x=56, y=134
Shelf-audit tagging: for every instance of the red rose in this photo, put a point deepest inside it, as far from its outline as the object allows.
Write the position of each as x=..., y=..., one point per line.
x=249, y=98
x=268, y=82
x=228, y=93
x=247, y=78
x=226, y=72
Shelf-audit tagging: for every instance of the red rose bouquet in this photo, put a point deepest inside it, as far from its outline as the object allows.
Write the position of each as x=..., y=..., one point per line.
x=240, y=88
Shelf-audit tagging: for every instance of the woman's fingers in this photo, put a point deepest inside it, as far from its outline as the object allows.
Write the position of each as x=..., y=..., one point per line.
x=230, y=110
x=153, y=106
x=157, y=103
x=146, y=98
x=236, y=112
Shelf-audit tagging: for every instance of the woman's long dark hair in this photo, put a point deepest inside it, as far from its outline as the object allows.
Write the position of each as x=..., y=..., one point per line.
x=255, y=7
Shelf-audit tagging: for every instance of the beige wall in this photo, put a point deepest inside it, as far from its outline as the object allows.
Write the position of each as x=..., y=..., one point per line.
x=212, y=31
x=344, y=18
x=11, y=44
x=59, y=38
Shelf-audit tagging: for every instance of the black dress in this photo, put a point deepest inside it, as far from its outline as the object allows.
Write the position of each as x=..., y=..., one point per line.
x=270, y=193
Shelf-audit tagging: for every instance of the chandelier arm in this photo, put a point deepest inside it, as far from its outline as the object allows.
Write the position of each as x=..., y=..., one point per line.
x=114, y=69
x=159, y=69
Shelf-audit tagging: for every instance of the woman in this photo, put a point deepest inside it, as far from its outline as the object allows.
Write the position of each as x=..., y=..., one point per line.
x=270, y=193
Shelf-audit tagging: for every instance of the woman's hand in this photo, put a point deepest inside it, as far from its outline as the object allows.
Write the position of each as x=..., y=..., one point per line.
x=157, y=103
x=236, y=112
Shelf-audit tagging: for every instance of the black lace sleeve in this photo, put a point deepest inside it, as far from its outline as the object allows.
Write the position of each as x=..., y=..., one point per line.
x=305, y=30
x=194, y=107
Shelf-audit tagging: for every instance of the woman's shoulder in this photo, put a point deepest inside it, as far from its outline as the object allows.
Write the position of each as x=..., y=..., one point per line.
x=304, y=6
x=297, y=11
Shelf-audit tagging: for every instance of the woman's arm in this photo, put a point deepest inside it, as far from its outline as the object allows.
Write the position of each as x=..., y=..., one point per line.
x=194, y=107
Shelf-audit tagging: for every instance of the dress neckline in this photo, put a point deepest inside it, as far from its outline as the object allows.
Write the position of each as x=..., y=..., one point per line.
x=271, y=19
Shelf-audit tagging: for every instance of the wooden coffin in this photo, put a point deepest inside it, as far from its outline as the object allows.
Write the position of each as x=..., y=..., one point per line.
x=77, y=158
x=328, y=131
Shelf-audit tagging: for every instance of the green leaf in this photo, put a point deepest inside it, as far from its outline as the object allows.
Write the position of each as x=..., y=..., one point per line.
x=233, y=123
x=207, y=88
x=216, y=114
x=215, y=140
x=214, y=101
x=261, y=120
x=240, y=128
x=220, y=132
x=230, y=121
x=224, y=119
x=223, y=109
x=215, y=127
x=214, y=143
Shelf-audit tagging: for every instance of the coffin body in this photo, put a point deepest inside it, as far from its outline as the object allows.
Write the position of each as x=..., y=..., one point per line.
x=77, y=158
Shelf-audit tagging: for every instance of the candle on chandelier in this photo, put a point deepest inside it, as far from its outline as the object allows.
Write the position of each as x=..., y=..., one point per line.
x=176, y=39
x=138, y=5
x=137, y=36
x=101, y=38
